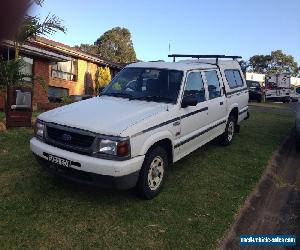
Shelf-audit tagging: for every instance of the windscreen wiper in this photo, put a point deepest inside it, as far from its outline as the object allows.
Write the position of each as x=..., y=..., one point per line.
x=122, y=95
x=155, y=98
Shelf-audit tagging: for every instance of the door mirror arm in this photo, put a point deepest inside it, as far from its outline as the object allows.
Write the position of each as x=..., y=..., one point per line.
x=190, y=100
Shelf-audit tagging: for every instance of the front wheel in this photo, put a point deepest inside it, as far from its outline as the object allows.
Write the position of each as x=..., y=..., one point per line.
x=153, y=173
x=227, y=136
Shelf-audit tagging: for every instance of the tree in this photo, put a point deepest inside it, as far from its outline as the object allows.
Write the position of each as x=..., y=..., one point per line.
x=10, y=73
x=275, y=63
x=116, y=45
x=102, y=78
x=87, y=48
x=244, y=66
x=33, y=26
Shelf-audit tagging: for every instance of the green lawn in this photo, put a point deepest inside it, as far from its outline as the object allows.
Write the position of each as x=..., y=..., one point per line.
x=272, y=105
x=201, y=196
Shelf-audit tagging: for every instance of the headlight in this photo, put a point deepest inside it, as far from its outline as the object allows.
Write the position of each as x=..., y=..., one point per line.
x=39, y=129
x=120, y=148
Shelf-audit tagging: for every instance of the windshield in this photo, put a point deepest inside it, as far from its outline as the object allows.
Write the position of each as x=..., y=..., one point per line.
x=159, y=85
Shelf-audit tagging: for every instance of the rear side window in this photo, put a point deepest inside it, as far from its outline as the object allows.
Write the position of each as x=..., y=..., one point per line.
x=213, y=84
x=195, y=86
x=234, y=78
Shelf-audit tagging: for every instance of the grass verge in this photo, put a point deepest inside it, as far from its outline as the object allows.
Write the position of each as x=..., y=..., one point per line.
x=201, y=196
x=272, y=105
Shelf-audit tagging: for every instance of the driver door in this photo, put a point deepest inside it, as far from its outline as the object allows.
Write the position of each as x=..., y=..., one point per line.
x=193, y=118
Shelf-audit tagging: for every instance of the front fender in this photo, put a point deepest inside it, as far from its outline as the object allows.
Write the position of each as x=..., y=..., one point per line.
x=155, y=138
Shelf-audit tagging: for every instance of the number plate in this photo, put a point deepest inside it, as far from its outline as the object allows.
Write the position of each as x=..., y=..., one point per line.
x=58, y=160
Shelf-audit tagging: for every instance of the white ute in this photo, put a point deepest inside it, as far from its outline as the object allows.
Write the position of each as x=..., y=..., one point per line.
x=151, y=115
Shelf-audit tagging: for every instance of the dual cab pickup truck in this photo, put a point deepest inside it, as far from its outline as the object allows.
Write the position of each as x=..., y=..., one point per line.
x=151, y=115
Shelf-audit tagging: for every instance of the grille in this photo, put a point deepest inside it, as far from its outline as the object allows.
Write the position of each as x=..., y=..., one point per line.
x=68, y=138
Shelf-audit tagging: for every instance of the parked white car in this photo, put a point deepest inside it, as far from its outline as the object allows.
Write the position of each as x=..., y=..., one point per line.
x=151, y=115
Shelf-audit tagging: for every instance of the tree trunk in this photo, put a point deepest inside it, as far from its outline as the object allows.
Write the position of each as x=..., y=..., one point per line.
x=17, y=51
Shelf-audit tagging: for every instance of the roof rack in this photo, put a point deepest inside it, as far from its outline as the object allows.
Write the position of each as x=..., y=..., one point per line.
x=157, y=61
x=204, y=56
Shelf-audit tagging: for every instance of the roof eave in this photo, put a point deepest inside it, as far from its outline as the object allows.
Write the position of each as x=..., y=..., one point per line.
x=34, y=51
x=77, y=54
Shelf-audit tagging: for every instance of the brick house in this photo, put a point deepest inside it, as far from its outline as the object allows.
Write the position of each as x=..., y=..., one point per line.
x=65, y=70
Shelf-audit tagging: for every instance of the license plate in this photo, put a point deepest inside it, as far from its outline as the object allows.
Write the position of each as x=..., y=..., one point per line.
x=58, y=160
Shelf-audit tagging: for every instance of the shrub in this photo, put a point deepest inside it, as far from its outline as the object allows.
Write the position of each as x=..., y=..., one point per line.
x=102, y=78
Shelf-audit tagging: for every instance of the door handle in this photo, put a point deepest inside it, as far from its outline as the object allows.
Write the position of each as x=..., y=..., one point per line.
x=221, y=103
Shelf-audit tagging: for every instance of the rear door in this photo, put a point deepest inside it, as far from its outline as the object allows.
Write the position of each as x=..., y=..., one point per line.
x=217, y=105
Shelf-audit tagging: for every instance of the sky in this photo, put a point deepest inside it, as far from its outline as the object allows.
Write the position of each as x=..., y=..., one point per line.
x=231, y=27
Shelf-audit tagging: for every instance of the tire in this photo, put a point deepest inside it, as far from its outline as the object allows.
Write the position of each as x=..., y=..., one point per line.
x=259, y=99
x=227, y=136
x=153, y=173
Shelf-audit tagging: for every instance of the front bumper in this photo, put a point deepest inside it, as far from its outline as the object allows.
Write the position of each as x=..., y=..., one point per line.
x=90, y=170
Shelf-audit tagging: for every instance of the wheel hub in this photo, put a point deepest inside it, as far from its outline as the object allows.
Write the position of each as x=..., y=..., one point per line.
x=230, y=130
x=156, y=172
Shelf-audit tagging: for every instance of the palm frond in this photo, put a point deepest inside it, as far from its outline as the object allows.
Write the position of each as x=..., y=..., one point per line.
x=33, y=27
x=11, y=73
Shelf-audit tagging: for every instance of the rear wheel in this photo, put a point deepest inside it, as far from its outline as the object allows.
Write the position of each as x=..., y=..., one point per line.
x=153, y=173
x=227, y=136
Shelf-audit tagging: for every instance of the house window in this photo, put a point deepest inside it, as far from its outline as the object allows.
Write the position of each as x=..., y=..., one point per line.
x=55, y=94
x=27, y=68
x=65, y=70
x=8, y=54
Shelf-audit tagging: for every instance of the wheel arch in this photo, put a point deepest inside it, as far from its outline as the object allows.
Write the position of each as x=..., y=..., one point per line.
x=161, y=139
x=234, y=110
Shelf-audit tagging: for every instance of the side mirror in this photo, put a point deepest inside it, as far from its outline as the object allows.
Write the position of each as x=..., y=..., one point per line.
x=190, y=100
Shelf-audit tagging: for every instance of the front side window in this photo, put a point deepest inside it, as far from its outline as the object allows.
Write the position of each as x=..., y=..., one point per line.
x=213, y=84
x=195, y=86
x=65, y=70
x=234, y=78
x=160, y=85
